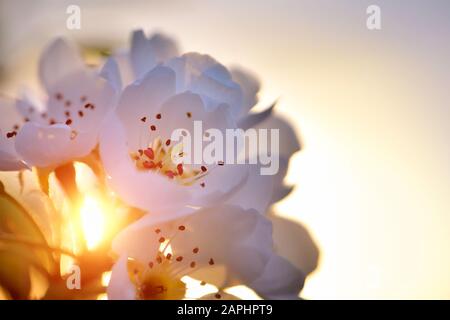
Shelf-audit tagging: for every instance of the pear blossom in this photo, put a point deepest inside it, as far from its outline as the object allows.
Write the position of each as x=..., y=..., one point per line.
x=223, y=246
x=136, y=147
x=77, y=99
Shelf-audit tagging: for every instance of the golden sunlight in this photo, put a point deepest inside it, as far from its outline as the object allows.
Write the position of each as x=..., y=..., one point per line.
x=93, y=221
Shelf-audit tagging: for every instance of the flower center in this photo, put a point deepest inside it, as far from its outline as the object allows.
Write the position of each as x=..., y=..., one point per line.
x=157, y=157
x=160, y=279
x=157, y=283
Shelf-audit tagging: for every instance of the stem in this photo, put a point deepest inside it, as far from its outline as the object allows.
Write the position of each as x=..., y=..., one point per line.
x=14, y=239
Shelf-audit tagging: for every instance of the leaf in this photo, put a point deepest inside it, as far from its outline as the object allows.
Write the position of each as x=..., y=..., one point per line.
x=15, y=221
x=14, y=274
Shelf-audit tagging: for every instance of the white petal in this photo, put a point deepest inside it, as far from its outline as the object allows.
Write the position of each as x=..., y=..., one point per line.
x=203, y=75
x=253, y=119
x=163, y=46
x=144, y=99
x=122, y=58
x=45, y=146
x=145, y=53
x=111, y=72
x=83, y=97
x=224, y=234
x=250, y=87
x=293, y=242
x=141, y=55
x=289, y=141
x=279, y=281
x=10, y=162
x=254, y=194
x=9, y=119
x=58, y=61
x=280, y=189
x=120, y=286
x=140, y=241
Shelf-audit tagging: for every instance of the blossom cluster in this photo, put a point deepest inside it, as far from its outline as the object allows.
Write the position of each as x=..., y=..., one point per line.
x=206, y=221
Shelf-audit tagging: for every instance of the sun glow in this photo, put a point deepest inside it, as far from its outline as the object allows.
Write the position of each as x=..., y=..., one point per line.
x=93, y=221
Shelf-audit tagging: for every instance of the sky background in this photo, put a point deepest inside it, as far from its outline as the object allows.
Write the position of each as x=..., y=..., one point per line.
x=372, y=109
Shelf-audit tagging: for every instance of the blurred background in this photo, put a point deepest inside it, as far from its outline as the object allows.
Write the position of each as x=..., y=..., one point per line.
x=372, y=108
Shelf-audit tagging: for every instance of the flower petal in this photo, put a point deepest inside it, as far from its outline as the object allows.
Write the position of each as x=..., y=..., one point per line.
x=10, y=122
x=45, y=146
x=289, y=142
x=144, y=99
x=250, y=87
x=140, y=241
x=57, y=62
x=254, y=194
x=145, y=53
x=280, y=280
x=304, y=254
x=81, y=100
x=203, y=75
x=111, y=72
x=120, y=286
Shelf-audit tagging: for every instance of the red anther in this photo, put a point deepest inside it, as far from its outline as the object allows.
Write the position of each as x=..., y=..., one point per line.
x=150, y=264
x=168, y=256
x=158, y=259
x=148, y=164
x=188, y=114
x=157, y=230
x=89, y=106
x=195, y=250
x=192, y=264
x=16, y=127
x=67, y=113
x=167, y=142
x=52, y=121
x=220, y=163
x=203, y=168
x=181, y=228
x=149, y=153
x=218, y=296
x=141, y=152
x=68, y=103
x=11, y=134
x=158, y=116
x=180, y=169
x=143, y=119
x=180, y=258
x=68, y=122
x=80, y=113
x=202, y=184
x=58, y=96
x=211, y=262
x=202, y=283
x=152, y=127
x=162, y=239
x=159, y=164
x=170, y=174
